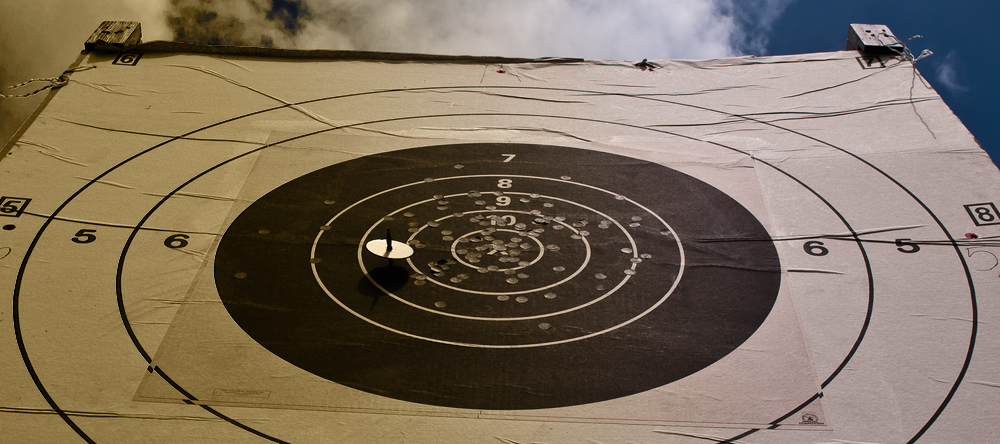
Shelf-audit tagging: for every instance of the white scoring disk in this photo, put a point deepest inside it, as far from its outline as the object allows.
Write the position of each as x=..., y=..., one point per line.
x=380, y=247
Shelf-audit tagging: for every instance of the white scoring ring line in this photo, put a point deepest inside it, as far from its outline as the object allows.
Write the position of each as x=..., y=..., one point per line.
x=457, y=256
x=673, y=287
x=586, y=261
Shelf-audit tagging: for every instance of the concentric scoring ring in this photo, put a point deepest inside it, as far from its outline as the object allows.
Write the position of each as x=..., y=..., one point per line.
x=633, y=252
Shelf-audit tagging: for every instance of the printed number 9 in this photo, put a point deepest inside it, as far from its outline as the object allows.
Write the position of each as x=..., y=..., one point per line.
x=505, y=183
x=503, y=201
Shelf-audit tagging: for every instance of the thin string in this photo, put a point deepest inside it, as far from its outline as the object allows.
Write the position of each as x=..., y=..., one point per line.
x=907, y=55
x=54, y=82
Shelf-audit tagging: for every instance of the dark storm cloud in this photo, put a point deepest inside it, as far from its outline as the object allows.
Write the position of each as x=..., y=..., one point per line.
x=194, y=24
x=291, y=14
x=242, y=22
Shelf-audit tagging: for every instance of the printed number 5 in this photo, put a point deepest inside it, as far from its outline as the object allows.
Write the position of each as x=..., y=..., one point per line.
x=907, y=247
x=9, y=207
x=84, y=236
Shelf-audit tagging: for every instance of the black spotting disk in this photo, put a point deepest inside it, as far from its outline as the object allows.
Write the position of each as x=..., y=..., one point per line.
x=542, y=277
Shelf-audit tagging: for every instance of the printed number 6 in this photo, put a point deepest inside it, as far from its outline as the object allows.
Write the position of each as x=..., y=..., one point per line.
x=815, y=248
x=177, y=241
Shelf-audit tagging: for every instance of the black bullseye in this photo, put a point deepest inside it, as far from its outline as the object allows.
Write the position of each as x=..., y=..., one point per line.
x=563, y=277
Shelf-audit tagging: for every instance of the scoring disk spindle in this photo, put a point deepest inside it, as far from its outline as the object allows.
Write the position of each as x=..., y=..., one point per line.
x=389, y=248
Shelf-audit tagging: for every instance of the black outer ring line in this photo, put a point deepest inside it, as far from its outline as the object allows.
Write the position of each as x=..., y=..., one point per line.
x=190, y=398
x=968, y=276
x=839, y=215
x=15, y=300
x=128, y=328
x=965, y=266
x=27, y=254
x=38, y=235
x=857, y=344
x=958, y=251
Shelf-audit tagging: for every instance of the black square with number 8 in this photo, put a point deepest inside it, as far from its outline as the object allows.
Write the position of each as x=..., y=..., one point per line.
x=983, y=213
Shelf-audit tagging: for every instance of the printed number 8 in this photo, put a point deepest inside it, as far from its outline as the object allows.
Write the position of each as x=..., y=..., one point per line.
x=984, y=214
x=505, y=183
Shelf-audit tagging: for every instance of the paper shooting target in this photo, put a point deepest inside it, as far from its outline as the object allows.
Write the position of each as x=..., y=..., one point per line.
x=593, y=251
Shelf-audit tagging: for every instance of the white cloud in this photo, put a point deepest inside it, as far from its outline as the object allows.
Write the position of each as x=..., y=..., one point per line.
x=947, y=74
x=624, y=30
x=563, y=28
x=754, y=19
x=42, y=37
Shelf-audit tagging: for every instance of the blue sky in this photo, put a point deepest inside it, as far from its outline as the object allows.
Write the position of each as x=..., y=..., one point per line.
x=958, y=32
x=963, y=68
